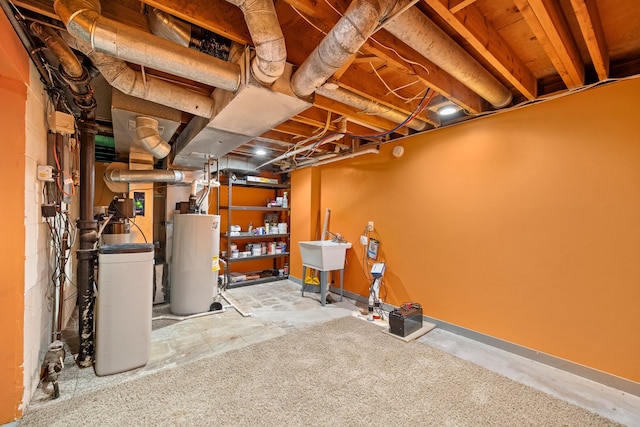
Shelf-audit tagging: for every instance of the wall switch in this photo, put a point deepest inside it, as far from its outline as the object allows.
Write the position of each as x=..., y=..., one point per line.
x=370, y=226
x=363, y=240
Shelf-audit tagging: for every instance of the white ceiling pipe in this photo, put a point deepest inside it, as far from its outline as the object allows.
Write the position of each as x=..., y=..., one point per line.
x=122, y=77
x=149, y=137
x=144, y=176
x=83, y=20
x=271, y=52
x=343, y=157
x=367, y=105
x=345, y=38
x=418, y=32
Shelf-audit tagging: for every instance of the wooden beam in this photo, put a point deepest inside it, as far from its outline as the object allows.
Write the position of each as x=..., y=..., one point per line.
x=593, y=33
x=456, y=6
x=484, y=38
x=112, y=10
x=550, y=27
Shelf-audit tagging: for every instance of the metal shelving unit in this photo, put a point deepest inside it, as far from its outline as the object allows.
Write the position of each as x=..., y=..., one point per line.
x=266, y=275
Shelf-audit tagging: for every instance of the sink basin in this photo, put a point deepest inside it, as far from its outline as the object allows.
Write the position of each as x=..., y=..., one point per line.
x=323, y=255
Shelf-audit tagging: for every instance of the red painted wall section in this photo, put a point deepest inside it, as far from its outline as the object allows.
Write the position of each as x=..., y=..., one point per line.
x=14, y=76
x=524, y=225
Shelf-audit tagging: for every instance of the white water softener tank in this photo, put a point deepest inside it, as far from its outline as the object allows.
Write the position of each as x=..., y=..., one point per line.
x=123, y=307
x=194, y=269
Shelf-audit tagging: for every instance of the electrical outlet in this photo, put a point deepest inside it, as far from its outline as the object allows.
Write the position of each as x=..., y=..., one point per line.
x=363, y=240
x=370, y=226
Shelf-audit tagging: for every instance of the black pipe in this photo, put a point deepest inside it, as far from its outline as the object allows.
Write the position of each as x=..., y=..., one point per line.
x=77, y=79
x=88, y=236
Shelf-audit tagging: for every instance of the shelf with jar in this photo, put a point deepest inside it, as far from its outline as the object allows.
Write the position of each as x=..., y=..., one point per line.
x=254, y=254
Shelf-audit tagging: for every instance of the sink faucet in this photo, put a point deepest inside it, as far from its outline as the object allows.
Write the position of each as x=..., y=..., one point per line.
x=336, y=237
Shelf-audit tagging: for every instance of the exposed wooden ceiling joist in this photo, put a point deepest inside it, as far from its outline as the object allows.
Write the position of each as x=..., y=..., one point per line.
x=549, y=25
x=479, y=33
x=591, y=27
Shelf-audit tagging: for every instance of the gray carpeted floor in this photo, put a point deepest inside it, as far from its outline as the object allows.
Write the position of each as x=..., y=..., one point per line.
x=345, y=372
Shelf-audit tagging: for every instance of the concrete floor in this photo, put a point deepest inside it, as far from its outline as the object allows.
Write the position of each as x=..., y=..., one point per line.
x=277, y=308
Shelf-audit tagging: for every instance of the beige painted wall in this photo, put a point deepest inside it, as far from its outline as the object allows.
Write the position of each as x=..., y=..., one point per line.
x=524, y=225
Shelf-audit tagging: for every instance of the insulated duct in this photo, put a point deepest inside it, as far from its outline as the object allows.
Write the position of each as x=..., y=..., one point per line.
x=418, y=32
x=130, y=82
x=365, y=104
x=83, y=21
x=356, y=25
x=271, y=52
x=149, y=137
x=144, y=175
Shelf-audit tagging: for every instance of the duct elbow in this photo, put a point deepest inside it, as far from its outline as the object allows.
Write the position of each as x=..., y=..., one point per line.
x=264, y=27
x=78, y=16
x=150, y=139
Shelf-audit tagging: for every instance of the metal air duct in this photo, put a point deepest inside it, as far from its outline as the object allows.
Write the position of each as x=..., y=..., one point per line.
x=149, y=137
x=144, y=176
x=169, y=27
x=128, y=81
x=418, y=32
x=271, y=52
x=239, y=117
x=356, y=25
x=365, y=104
x=83, y=21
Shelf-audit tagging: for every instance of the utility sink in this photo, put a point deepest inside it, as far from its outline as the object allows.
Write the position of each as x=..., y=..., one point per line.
x=323, y=255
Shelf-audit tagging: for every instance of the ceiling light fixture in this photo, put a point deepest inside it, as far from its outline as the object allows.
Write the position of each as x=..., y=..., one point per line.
x=261, y=152
x=448, y=110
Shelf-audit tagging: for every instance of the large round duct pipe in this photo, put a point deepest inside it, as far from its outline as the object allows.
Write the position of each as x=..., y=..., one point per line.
x=365, y=104
x=149, y=137
x=144, y=176
x=169, y=27
x=356, y=25
x=130, y=82
x=263, y=25
x=418, y=32
x=83, y=21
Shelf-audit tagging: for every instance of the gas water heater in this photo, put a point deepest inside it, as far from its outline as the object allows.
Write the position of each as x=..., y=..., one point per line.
x=194, y=269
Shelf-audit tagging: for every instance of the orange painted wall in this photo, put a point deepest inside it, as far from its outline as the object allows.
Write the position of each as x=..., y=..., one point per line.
x=14, y=74
x=524, y=225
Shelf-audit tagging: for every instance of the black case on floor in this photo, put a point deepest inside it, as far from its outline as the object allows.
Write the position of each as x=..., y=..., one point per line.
x=406, y=319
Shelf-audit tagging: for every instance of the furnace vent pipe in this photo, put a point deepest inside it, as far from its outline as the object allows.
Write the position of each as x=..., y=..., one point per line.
x=144, y=176
x=83, y=21
x=169, y=27
x=130, y=82
x=365, y=104
x=68, y=60
x=149, y=137
x=263, y=25
x=356, y=25
x=417, y=31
